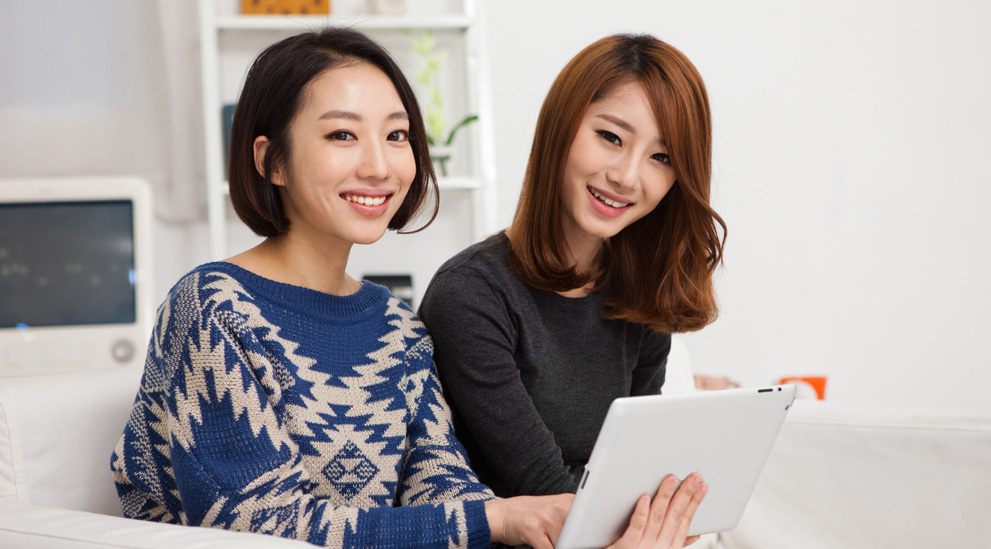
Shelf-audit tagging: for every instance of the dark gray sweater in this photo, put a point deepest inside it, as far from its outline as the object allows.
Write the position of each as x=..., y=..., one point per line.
x=529, y=374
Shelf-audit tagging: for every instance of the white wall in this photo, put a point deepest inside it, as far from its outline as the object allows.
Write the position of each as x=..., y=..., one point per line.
x=852, y=162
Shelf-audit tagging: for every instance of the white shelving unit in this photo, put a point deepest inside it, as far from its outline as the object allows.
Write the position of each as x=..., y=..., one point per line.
x=229, y=41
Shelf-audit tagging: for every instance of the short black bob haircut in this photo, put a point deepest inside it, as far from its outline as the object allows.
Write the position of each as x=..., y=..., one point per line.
x=272, y=95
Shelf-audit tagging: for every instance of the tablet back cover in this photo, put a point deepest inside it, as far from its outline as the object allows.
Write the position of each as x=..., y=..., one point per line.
x=724, y=435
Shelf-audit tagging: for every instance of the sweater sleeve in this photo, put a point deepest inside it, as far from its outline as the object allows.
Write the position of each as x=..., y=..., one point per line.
x=436, y=468
x=475, y=341
x=236, y=466
x=648, y=376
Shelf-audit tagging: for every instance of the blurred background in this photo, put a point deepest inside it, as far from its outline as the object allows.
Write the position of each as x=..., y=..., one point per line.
x=851, y=162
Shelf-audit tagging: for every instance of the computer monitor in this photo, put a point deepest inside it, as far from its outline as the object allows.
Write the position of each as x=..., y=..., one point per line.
x=75, y=274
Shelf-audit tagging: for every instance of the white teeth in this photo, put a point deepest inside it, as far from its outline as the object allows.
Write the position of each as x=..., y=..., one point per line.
x=608, y=201
x=365, y=200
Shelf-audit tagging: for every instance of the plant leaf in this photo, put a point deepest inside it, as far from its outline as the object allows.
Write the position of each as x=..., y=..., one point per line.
x=464, y=122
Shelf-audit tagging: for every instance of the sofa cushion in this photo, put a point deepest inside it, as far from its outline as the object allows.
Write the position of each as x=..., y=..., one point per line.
x=56, y=436
x=30, y=526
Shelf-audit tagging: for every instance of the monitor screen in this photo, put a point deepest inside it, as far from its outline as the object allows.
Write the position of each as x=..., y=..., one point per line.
x=67, y=263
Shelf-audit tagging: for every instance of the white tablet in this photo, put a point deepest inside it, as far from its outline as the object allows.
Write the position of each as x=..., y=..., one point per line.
x=725, y=436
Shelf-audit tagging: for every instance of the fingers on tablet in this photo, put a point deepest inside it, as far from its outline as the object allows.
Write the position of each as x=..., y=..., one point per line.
x=690, y=495
x=681, y=510
x=664, y=520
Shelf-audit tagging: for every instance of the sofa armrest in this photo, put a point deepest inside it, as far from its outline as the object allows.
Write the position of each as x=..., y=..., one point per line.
x=846, y=475
x=56, y=436
x=23, y=525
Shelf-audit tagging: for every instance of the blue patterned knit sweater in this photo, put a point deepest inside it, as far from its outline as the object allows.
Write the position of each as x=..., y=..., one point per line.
x=266, y=407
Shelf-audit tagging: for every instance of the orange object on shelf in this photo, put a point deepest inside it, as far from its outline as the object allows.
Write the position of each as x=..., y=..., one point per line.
x=808, y=386
x=285, y=7
x=259, y=7
x=312, y=7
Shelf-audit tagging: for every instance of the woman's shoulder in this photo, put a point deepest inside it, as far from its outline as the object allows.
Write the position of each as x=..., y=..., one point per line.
x=216, y=275
x=479, y=279
x=486, y=258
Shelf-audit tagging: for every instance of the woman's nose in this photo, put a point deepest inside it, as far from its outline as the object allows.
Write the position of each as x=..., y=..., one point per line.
x=374, y=164
x=624, y=173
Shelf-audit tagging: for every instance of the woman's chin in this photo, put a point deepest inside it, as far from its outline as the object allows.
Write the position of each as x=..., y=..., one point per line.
x=368, y=238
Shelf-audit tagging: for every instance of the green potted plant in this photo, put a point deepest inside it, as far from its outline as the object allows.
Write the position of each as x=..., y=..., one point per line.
x=439, y=137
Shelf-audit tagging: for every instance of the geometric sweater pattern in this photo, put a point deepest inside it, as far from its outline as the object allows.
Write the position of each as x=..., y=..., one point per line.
x=272, y=408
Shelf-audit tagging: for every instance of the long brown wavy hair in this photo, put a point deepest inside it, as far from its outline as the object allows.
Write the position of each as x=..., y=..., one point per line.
x=660, y=266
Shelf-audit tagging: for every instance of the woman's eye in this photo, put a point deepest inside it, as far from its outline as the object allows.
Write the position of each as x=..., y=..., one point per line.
x=341, y=136
x=662, y=158
x=610, y=137
x=399, y=135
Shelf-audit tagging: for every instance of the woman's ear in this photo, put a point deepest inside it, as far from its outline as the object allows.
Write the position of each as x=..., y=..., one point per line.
x=260, y=149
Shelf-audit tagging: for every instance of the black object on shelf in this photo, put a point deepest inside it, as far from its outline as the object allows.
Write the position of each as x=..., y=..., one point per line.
x=228, y=120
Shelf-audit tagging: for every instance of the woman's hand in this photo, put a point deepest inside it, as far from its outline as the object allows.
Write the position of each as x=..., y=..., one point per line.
x=532, y=520
x=664, y=522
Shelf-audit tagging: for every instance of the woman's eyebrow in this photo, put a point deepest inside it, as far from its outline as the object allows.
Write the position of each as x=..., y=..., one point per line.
x=337, y=113
x=618, y=121
x=348, y=115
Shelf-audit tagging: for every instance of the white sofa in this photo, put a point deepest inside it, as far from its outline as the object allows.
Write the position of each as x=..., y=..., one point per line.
x=840, y=476
x=56, y=490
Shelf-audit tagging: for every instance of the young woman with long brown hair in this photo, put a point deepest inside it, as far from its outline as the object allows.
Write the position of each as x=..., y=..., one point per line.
x=612, y=249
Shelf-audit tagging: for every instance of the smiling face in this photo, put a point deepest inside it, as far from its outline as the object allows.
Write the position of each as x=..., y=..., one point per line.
x=350, y=163
x=617, y=169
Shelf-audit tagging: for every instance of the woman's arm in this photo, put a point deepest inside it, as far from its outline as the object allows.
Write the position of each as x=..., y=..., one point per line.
x=649, y=374
x=475, y=339
x=435, y=467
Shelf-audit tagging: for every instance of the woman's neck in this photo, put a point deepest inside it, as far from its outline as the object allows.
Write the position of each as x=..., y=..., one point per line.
x=298, y=262
x=585, y=255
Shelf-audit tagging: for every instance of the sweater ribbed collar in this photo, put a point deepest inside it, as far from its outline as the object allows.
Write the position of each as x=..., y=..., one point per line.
x=300, y=298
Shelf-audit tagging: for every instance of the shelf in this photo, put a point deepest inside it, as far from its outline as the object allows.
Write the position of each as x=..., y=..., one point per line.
x=302, y=22
x=458, y=183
